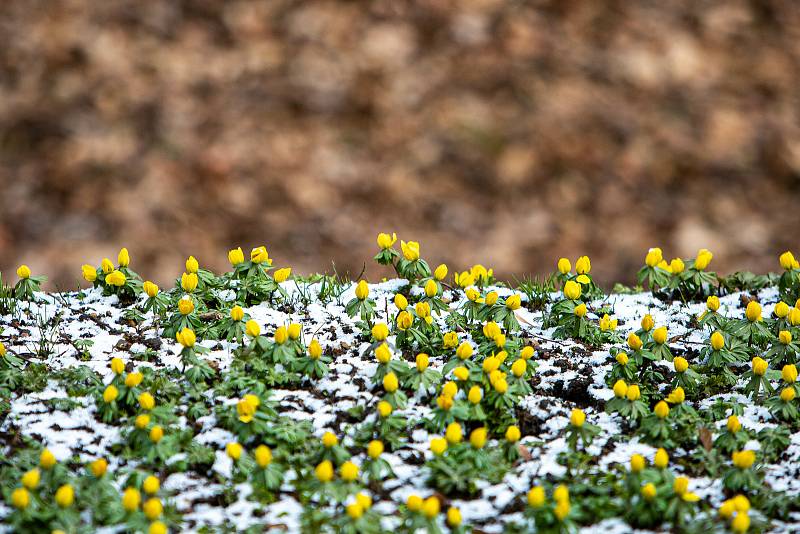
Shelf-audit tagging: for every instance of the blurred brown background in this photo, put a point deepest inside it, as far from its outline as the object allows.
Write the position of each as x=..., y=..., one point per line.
x=501, y=132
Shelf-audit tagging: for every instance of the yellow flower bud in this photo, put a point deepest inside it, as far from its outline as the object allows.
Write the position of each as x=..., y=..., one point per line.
x=677, y=396
x=454, y=433
x=385, y=241
x=89, y=273
x=110, y=394
x=577, y=417
x=117, y=366
x=572, y=290
x=189, y=282
x=743, y=459
x=753, y=311
x=789, y=373
x=491, y=298
x=661, y=410
x=501, y=386
x=741, y=503
x=157, y=527
x=634, y=341
x=151, y=485
x=314, y=350
x=133, y=379
x=580, y=310
x=519, y=367
x=150, y=289
x=390, y=383
x=464, y=351
x=449, y=389
x=787, y=261
x=794, y=316
x=438, y=446
x=648, y=323
x=31, y=479
x=654, y=257
x=410, y=250
x=237, y=313
x=649, y=491
x=186, y=306
x=329, y=439
x=536, y=496
x=513, y=434
x=431, y=289
x=281, y=335
x=349, y=472
x=717, y=341
x=472, y=294
x=431, y=507
x=47, y=460
x=192, y=265
x=759, y=366
x=106, y=265
x=156, y=434
x=324, y=471
x=65, y=496
x=384, y=409
x=704, y=257
x=116, y=278
x=638, y=463
x=375, y=449
x=788, y=394
x=620, y=389
x=234, y=450
x=422, y=361
x=123, y=258
x=380, y=331
x=20, y=498
x=564, y=266
x=186, y=337
x=400, y=301
x=152, y=508
x=131, y=499
x=733, y=424
x=475, y=394
x=441, y=272
x=583, y=265
x=362, y=290
x=660, y=335
x=477, y=438
x=453, y=516
x=740, y=523
x=712, y=303
x=414, y=503
x=294, y=331
x=513, y=302
x=354, y=510
x=259, y=255
x=263, y=456
x=676, y=266
x=633, y=393
x=281, y=275
x=781, y=310
x=680, y=364
x=621, y=358
x=236, y=256
x=142, y=421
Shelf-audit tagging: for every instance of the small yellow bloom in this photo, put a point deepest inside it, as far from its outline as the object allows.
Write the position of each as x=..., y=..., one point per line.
x=314, y=350
x=410, y=250
x=680, y=364
x=116, y=278
x=192, y=265
x=638, y=463
x=431, y=289
x=740, y=523
x=252, y=328
x=789, y=373
x=661, y=459
x=259, y=255
x=234, y=450
x=263, y=456
x=89, y=273
x=676, y=266
x=438, y=446
x=475, y=395
x=186, y=337
x=131, y=499
x=501, y=386
x=717, y=340
x=142, y=421
x=151, y=485
x=788, y=394
x=294, y=331
x=712, y=303
x=384, y=409
x=24, y=272
x=561, y=510
x=281, y=335
x=620, y=389
x=453, y=516
x=454, y=433
x=464, y=351
x=324, y=471
x=733, y=424
x=152, y=508
x=580, y=310
x=677, y=396
x=654, y=257
x=753, y=311
x=20, y=498
x=236, y=256
x=146, y=401
x=660, y=335
x=189, y=282
x=564, y=266
x=536, y=496
x=157, y=527
x=98, y=467
x=422, y=361
x=519, y=367
x=477, y=438
x=633, y=393
x=375, y=449
x=583, y=265
x=787, y=261
x=65, y=496
x=513, y=434
x=491, y=298
x=572, y=290
x=621, y=358
x=380, y=331
x=390, y=383
x=634, y=341
x=117, y=366
x=106, y=265
x=133, y=379
x=577, y=417
x=743, y=459
x=110, y=394
x=349, y=472
x=400, y=301
x=354, y=510
x=362, y=290
x=364, y=500
x=156, y=433
x=759, y=366
x=431, y=507
x=31, y=478
x=781, y=310
x=123, y=258
x=441, y=272
x=414, y=503
x=237, y=313
x=150, y=289
x=561, y=493
x=661, y=410
x=281, y=275
x=704, y=257
x=649, y=491
x=386, y=241
x=513, y=302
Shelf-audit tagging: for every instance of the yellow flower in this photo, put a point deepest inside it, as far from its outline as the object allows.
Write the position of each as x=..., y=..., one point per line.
x=648, y=323
x=753, y=311
x=561, y=510
x=527, y=353
x=789, y=373
x=151, y=485
x=453, y=516
x=186, y=306
x=580, y=310
x=441, y=272
x=329, y=439
x=146, y=401
x=661, y=410
x=519, y=367
x=577, y=417
x=676, y=266
x=472, y=294
x=354, y=510
x=263, y=456
x=384, y=409
x=464, y=279
x=477, y=438
x=156, y=433
x=638, y=463
x=583, y=265
x=464, y=350
x=680, y=364
x=390, y=383
x=787, y=261
x=444, y=402
x=634, y=341
x=740, y=523
x=583, y=279
x=781, y=310
x=475, y=395
x=116, y=278
x=743, y=459
x=501, y=386
x=410, y=250
x=186, y=337
x=234, y=450
x=794, y=316
x=431, y=289
x=106, y=265
x=785, y=337
x=294, y=331
x=717, y=341
x=572, y=290
x=788, y=394
x=31, y=478
x=150, y=289
x=654, y=257
x=431, y=507
x=375, y=449
x=65, y=496
x=564, y=266
x=661, y=459
x=491, y=298
x=281, y=335
x=740, y=503
x=620, y=389
x=142, y=421
x=422, y=361
x=192, y=265
x=759, y=366
x=385, y=241
x=236, y=256
x=324, y=471
x=414, y=503
x=364, y=500
x=2, y=350
x=133, y=379
x=733, y=424
x=404, y=320
x=677, y=396
x=157, y=527
x=380, y=331
x=110, y=394
x=400, y=301
x=117, y=366
x=438, y=446
x=20, y=498
x=513, y=302
x=561, y=493
x=621, y=358
x=660, y=335
x=704, y=257
x=123, y=258
x=649, y=491
x=24, y=272
x=259, y=255
x=314, y=350
x=349, y=472
x=449, y=389
x=99, y=467
x=633, y=393
x=89, y=273
x=152, y=508
x=281, y=275
x=513, y=434
x=362, y=290
x=131, y=498
x=189, y=282
x=536, y=496
x=454, y=433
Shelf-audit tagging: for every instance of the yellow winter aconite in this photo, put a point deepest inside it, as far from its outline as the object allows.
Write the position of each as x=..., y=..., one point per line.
x=263, y=456
x=638, y=463
x=281, y=335
x=431, y=507
x=453, y=517
x=329, y=439
x=362, y=290
x=380, y=331
x=431, y=289
x=583, y=265
x=564, y=265
x=676, y=266
x=110, y=394
x=620, y=389
x=491, y=298
x=281, y=275
x=788, y=394
x=234, y=450
x=236, y=256
x=454, y=433
x=47, y=460
x=759, y=366
x=192, y=265
x=633, y=392
x=677, y=396
x=621, y=358
x=390, y=382
x=648, y=322
x=65, y=496
x=123, y=258
x=131, y=499
x=186, y=306
x=785, y=337
x=90, y=273
x=572, y=290
x=580, y=310
x=577, y=417
x=156, y=434
x=743, y=459
x=186, y=337
x=536, y=497
x=349, y=471
x=441, y=272
x=150, y=289
x=259, y=255
x=753, y=311
x=386, y=241
x=740, y=523
x=475, y=394
x=661, y=459
x=414, y=503
x=400, y=301
x=152, y=508
x=24, y=272
x=157, y=527
x=680, y=364
x=781, y=310
x=649, y=491
x=133, y=379
x=324, y=471
x=151, y=485
x=99, y=467
x=422, y=361
x=704, y=257
x=513, y=434
x=20, y=498
x=712, y=303
x=31, y=479
x=477, y=438
x=519, y=367
x=513, y=302
x=189, y=282
x=375, y=449
x=733, y=425
x=294, y=331
x=117, y=366
x=654, y=257
x=410, y=250
x=438, y=446
x=634, y=341
x=717, y=340
x=789, y=373
x=464, y=351
x=116, y=278
x=384, y=409
x=142, y=421
x=661, y=410
x=106, y=265
x=660, y=335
